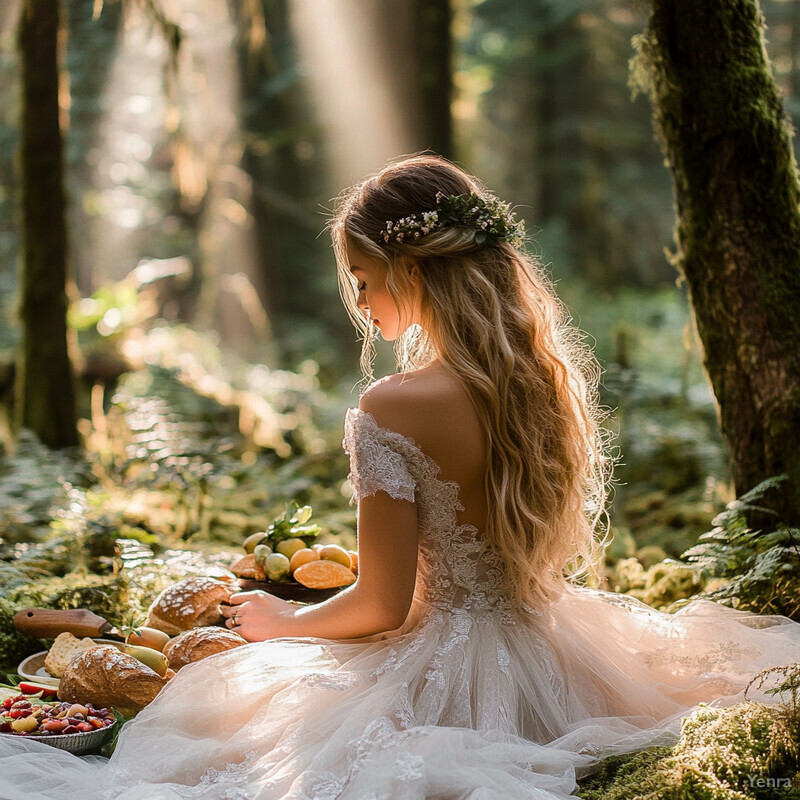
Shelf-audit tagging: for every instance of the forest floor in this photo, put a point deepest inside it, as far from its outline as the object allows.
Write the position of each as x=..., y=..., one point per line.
x=187, y=456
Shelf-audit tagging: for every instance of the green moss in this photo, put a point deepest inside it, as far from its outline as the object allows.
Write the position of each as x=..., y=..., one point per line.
x=748, y=751
x=667, y=583
x=740, y=751
x=13, y=646
x=623, y=777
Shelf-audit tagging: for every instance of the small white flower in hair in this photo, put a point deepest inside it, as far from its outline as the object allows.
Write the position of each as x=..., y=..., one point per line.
x=490, y=218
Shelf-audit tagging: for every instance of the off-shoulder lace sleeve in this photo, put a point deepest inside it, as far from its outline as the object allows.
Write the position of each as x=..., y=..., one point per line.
x=378, y=458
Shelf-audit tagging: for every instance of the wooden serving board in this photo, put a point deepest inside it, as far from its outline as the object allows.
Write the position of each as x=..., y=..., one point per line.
x=291, y=590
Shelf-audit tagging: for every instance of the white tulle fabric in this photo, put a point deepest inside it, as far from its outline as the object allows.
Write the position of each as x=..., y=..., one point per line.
x=466, y=701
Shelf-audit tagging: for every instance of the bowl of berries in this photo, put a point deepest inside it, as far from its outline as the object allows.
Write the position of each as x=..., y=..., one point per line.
x=78, y=728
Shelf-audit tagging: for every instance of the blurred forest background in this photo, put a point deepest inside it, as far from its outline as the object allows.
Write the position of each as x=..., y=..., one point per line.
x=204, y=144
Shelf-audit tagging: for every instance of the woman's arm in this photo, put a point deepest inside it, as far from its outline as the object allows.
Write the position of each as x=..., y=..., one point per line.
x=378, y=601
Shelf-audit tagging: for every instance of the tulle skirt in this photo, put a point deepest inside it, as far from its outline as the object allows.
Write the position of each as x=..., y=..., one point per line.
x=452, y=706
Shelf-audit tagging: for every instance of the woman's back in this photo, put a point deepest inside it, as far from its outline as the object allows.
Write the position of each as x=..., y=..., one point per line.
x=432, y=407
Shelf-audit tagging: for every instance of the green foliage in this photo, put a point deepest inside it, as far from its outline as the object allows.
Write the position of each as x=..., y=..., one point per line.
x=13, y=647
x=720, y=749
x=293, y=524
x=99, y=593
x=660, y=585
x=31, y=480
x=108, y=310
x=671, y=476
x=747, y=751
x=170, y=487
x=760, y=567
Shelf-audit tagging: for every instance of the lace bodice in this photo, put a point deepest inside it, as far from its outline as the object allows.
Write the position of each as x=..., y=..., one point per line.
x=456, y=570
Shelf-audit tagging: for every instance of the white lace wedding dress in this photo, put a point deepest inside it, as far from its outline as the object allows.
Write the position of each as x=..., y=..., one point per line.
x=465, y=701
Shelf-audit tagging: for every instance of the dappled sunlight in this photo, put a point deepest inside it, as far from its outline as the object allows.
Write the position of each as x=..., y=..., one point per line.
x=187, y=117
x=349, y=78
x=219, y=407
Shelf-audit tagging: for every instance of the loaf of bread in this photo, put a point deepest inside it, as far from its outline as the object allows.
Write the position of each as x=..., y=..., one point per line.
x=107, y=677
x=190, y=603
x=198, y=643
x=63, y=650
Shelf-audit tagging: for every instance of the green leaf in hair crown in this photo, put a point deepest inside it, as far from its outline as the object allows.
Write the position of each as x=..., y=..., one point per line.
x=490, y=218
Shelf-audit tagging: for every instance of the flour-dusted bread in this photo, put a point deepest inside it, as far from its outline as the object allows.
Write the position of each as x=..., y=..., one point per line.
x=107, y=677
x=199, y=643
x=63, y=650
x=190, y=603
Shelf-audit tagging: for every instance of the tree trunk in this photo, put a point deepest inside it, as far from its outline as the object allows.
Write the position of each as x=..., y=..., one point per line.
x=45, y=393
x=435, y=72
x=725, y=136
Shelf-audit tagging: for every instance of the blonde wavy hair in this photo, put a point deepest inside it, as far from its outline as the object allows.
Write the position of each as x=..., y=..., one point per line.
x=491, y=316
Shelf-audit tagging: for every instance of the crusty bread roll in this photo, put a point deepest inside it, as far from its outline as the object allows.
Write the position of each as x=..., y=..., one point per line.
x=63, y=650
x=190, y=603
x=107, y=677
x=198, y=643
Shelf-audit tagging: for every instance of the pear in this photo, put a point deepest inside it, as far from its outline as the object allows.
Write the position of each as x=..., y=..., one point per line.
x=148, y=637
x=152, y=658
x=253, y=540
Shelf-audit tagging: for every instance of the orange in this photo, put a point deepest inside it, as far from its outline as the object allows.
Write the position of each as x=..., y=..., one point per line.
x=353, y=560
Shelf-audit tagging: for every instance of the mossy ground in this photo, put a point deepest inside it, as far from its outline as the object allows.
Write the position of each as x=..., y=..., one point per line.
x=167, y=489
x=748, y=751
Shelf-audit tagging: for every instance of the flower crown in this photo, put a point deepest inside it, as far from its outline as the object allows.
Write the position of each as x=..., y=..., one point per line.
x=489, y=217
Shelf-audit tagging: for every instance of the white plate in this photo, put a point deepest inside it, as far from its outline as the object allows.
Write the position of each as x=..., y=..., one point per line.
x=32, y=668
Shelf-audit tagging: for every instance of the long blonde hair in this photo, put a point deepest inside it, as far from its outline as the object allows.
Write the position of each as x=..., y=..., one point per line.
x=491, y=316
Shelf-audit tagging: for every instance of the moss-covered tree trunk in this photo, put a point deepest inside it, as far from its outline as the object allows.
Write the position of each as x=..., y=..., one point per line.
x=45, y=399
x=725, y=135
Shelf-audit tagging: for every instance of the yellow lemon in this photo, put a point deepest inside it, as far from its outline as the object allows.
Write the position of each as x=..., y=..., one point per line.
x=288, y=547
x=333, y=552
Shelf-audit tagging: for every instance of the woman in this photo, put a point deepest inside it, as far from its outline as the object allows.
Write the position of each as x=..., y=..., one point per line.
x=462, y=663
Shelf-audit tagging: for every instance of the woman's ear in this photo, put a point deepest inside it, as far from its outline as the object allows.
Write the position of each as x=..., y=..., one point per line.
x=414, y=274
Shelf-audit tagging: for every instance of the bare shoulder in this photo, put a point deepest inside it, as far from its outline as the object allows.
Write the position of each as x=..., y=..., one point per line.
x=429, y=405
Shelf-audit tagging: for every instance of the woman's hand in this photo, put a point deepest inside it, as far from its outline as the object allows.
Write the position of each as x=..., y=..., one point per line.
x=257, y=616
